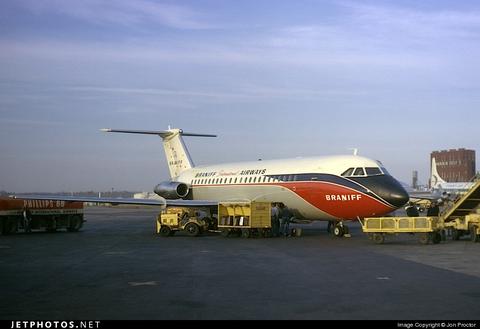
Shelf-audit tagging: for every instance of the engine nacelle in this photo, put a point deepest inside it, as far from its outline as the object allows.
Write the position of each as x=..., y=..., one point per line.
x=171, y=190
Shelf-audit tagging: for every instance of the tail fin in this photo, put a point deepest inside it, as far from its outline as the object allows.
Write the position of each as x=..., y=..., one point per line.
x=435, y=178
x=178, y=158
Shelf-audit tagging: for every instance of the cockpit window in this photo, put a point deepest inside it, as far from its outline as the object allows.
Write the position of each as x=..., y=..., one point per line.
x=360, y=171
x=348, y=172
x=385, y=171
x=373, y=171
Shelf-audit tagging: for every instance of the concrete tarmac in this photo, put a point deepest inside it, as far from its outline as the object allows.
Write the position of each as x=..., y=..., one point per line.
x=117, y=267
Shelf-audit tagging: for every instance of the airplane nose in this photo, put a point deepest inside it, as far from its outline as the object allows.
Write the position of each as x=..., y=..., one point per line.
x=398, y=196
x=387, y=188
x=392, y=191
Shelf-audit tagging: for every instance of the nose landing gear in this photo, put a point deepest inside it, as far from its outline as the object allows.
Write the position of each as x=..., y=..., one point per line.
x=340, y=230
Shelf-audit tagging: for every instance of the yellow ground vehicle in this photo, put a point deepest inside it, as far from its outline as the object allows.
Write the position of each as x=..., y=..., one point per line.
x=428, y=228
x=182, y=219
x=461, y=214
x=244, y=218
x=469, y=225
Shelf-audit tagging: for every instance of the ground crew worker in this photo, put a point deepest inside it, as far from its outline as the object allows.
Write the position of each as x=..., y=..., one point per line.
x=412, y=210
x=27, y=217
x=285, y=226
x=275, y=220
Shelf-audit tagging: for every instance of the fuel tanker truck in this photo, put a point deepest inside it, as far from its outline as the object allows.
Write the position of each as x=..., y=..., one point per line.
x=48, y=215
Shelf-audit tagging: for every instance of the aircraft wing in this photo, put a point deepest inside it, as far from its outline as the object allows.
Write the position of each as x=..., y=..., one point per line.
x=116, y=201
x=424, y=196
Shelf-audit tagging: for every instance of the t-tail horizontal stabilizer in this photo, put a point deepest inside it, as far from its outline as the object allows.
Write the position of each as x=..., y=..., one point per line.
x=178, y=158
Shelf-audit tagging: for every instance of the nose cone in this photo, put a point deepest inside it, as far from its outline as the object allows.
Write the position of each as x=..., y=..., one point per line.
x=397, y=196
x=388, y=189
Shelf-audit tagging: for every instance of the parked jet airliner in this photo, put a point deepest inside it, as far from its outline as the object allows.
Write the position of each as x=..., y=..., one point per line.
x=333, y=188
x=439, y=184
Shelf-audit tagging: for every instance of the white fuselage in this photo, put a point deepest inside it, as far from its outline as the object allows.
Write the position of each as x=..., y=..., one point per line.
x=312, y=188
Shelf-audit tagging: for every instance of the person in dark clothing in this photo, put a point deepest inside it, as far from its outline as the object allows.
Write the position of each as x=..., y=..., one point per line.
x=412, y=210
x=330, y=224
x=433, y=211
x=27, y=217
x=285, y=224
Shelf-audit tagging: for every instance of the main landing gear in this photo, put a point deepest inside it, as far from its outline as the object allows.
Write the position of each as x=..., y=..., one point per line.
x=340, y=229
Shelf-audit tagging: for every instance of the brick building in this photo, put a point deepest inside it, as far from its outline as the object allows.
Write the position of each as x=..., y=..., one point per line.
x=455, y=165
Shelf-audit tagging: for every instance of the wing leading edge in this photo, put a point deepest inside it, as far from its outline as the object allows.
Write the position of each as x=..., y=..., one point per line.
x=116, y=201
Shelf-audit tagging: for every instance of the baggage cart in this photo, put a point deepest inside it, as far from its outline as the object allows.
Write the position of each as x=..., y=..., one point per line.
x=244, y=218
x=427, y=227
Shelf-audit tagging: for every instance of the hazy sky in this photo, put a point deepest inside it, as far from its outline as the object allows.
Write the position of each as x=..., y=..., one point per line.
x=273, y=79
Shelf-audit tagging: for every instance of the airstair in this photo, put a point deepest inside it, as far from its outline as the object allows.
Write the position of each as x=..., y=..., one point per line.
x=462, y=204
x=461, y=215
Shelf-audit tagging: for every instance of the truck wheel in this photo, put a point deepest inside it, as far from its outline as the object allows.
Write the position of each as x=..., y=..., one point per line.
x=75, y=223
x=378, y=238
x=455, y=234
x=246, y=233
x=424, y=239
x=267, y=233
x=436, y=237
x=207, y=223
x=192, y=229
x=165, y=231
x=473, y=233
x=225, y=233
x=10, y=226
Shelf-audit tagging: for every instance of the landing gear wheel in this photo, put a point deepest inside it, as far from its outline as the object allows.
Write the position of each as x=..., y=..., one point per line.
x=192, y=229
x=424, y=239
x=339, y=230
x=378, y=238
x=165, y=231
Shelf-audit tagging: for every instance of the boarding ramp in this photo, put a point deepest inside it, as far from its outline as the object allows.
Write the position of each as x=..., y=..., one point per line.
x=462, y=204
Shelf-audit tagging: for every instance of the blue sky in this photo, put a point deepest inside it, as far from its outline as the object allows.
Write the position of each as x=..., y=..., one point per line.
x=273, y=79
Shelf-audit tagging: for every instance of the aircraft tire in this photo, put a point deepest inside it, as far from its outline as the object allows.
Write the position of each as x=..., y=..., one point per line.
x=378, y=238
x=338, y=230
